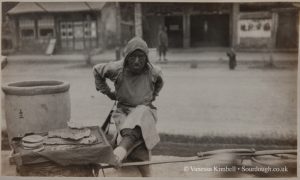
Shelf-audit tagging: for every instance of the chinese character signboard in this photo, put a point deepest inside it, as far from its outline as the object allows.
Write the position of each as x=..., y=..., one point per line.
x=255, y=28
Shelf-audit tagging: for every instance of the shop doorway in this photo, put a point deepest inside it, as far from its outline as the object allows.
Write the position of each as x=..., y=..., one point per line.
x=287, y=35
x=174, y=30
x=210, y=30
x=78, y=35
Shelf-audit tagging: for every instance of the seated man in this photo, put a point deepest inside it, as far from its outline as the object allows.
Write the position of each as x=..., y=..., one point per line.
x=137, y=82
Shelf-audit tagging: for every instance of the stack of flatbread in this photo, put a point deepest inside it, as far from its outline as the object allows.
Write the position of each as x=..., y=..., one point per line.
x=33, y=142
x=75, y=134
x=69, y=133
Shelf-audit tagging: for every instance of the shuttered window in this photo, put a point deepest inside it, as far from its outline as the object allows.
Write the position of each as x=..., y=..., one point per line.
x=27, y=30
x=46, y=27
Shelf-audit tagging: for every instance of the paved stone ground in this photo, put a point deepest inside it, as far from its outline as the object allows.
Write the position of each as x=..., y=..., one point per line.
x=204, y=102
x=207, y=101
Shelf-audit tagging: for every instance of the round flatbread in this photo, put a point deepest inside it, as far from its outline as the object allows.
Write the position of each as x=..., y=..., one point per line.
x=32, y=145
x=28, y=148
x=33, y=139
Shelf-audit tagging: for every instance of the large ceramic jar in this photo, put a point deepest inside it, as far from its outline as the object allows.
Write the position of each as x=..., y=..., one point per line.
x=36, y=106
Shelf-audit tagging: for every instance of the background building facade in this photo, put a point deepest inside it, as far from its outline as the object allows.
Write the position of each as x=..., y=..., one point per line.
x=83, y=26
x=244, y=25
x=75, y=26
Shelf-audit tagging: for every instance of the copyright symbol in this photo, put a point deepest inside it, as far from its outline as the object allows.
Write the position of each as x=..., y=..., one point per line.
x=186, y=168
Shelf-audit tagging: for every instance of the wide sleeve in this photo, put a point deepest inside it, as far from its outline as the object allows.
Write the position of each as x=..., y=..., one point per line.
x=102, y=72
x=158, y=80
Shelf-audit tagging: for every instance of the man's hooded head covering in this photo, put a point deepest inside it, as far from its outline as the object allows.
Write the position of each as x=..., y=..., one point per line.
x=134, y=44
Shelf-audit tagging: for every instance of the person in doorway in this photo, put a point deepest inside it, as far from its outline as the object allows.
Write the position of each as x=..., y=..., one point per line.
x=232, y=58
x=137, y=83
x=162, y=42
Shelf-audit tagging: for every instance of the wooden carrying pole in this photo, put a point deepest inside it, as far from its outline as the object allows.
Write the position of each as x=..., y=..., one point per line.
x=206, y=155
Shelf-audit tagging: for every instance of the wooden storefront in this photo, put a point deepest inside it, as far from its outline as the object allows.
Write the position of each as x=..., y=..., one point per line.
x=77, y=32
x=188, y=24
x=75, y=26
x=241, y=25
x=83, y=26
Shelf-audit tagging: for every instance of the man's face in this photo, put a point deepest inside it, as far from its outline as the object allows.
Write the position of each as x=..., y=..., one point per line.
x=136, y=61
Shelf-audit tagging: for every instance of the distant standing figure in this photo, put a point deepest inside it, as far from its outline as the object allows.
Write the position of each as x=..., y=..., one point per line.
x=232, y=59
x=162, y=42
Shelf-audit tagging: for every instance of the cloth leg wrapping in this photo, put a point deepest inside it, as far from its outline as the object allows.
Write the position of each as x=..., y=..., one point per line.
x=130, y=136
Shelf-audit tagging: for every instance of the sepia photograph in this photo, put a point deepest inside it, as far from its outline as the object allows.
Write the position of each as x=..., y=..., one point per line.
x=149, y=89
